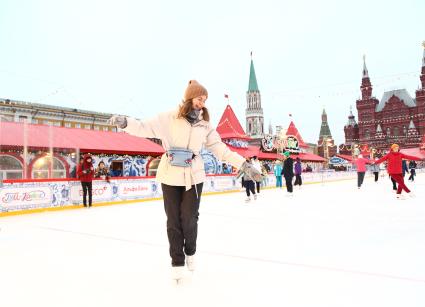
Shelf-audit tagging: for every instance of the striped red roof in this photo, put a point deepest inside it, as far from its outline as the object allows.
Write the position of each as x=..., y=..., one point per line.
x=229, y=126
x=12, y=135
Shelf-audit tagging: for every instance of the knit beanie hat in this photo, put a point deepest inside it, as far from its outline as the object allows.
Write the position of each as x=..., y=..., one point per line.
x=193, y=90
x=394, y=146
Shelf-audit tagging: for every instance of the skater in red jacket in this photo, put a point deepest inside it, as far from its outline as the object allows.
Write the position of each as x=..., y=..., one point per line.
x=394, y=159
x=85, y=173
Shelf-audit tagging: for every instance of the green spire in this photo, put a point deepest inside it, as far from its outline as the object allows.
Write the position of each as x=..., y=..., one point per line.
x=324, y=128
x=253, y=86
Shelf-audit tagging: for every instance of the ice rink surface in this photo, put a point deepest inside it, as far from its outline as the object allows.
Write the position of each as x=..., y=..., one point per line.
x=328, y=245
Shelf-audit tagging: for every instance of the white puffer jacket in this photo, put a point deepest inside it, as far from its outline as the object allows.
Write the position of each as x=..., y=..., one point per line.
x=178, y=132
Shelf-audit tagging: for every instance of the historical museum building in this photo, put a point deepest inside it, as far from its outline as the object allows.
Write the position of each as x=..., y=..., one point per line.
x=396, y=118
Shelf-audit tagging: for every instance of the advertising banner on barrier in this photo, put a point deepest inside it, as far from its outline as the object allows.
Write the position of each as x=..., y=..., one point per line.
x=16, y=198
x=31, y=195
x=131, y=189
x=101, y=191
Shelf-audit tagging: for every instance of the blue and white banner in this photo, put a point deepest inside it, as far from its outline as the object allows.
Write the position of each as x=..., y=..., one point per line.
x=34, y=195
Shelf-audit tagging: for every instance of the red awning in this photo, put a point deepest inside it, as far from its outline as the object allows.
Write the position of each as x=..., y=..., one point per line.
x=308, y=157
x=251, y=151
x=416, y=152
x=12, y=135
x=269, y=156
x=345, y=157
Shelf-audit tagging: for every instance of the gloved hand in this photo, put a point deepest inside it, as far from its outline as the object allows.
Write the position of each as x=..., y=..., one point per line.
x=118, y=120
x=250, y=171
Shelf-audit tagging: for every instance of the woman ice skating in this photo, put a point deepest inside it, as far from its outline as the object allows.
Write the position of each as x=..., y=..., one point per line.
x=249, y=183
x=375, y=170
x=288, y=172
x=360, y=163
x=184, y=132
x=85, y=173
x=412, y=167
x=298, y=170
x=394, y=159
x=278, y=173
x=256, y=164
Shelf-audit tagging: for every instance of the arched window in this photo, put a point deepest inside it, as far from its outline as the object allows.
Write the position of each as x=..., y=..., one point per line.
x=404, y=130
x=10, y=168
x=396, y=131
x=153, y=167
x=367, y=134
x=388, y=131
x=40, y=169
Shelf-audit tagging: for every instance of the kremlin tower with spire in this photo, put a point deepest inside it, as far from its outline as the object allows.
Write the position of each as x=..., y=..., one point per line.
x=325, y=146
x=254, y=111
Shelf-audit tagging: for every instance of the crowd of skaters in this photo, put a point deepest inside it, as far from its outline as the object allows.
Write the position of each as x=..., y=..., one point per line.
x=397, y=167
x=285, y=169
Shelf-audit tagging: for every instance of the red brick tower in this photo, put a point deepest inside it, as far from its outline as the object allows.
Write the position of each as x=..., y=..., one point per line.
x=420, y=99
x=366, y=108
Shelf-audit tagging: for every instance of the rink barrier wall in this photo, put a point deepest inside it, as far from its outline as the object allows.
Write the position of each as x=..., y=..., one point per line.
x=35, y=196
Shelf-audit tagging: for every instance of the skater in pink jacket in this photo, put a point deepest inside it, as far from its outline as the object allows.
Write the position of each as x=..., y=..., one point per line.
x=360, y=163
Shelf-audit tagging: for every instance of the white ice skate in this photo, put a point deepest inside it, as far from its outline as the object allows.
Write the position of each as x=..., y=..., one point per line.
x=401, y=197
x=190, y=262
x=177, y=273
x=248, y=199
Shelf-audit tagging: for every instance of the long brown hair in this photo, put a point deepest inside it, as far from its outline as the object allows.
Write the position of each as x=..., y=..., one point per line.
x=186, y=108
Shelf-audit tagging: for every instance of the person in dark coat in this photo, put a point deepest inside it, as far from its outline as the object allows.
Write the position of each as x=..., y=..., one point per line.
x=412, y=167
x=404, y=167
x=288, y=172
x=85, y=172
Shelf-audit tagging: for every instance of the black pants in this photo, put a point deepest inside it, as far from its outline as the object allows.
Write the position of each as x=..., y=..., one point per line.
x=182, y=209
x=298, y=180
x=288, y=182
x=360, y=178
x=412, y=174
x=87, y=188
x=258, y=186
x=376, y=175
x=249, y=187
x=394, y=183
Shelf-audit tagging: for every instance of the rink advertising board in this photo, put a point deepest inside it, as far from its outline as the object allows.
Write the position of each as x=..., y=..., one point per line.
x=101, y=191
x=25, y=195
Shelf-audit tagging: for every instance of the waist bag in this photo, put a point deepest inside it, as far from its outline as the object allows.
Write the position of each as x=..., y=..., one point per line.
x=180, y=156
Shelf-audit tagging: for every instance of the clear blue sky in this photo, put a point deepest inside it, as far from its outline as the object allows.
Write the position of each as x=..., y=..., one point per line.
x=135, y=57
